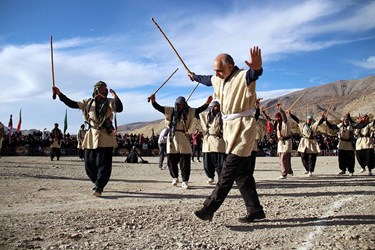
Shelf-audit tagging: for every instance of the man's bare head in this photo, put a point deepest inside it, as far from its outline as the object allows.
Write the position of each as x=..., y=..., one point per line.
x=223, y=65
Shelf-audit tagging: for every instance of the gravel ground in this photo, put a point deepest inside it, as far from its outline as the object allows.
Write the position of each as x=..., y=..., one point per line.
x=49, y=205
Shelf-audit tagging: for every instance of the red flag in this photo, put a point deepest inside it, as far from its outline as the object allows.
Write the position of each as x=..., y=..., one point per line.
x=10, y=127
x=19, y=122
x=269, y=127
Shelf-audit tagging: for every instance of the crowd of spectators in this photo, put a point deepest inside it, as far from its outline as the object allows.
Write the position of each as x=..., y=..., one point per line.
x=38, y=142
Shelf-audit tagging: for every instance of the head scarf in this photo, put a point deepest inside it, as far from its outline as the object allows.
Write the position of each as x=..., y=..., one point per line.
x=211, y=115
x=178, y=115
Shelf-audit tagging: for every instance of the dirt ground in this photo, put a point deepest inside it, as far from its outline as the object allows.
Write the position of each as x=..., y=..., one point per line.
x=49, y=205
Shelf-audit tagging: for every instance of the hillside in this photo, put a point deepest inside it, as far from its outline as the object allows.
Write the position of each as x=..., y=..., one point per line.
x=356, y=96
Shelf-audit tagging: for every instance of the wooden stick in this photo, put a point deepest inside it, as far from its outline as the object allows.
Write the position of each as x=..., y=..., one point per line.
x=295, y=101
x=175, y=51
x=53, y=71
x=163, y=83
x=350, y=110
x=330, y=105
x=192, y=92
x=269, y=107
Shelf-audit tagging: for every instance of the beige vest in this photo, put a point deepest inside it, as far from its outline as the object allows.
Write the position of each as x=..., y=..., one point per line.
x=284, y=146
x=213, y=137
x=236, y=97
x=96, y=137
x=308, y=145
x=80, y=137
x=180, y=143
x=364, y=141
x=345, y=137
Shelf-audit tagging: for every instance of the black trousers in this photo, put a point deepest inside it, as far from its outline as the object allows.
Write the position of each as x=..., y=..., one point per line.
x=162, y=153
x=235, y=169
x=346, y=160
x=98, y=165
x=212, y=162
x=196, y=152
x=309, y=161
x=81, y=153
x=365, y=157
x=252, y=160
x=55, y=152
x=185, y=166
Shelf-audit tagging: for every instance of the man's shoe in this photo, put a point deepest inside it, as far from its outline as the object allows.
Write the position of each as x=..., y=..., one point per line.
x=310, y=174
x=185, y=185
x=282, y=177
x=97, y=193
x=174, y=182
x=362, y=170
x=203, y=214
x=252, y=217
x=342, y=172
x=306, y=172
x=211, y=181
x=350, y=174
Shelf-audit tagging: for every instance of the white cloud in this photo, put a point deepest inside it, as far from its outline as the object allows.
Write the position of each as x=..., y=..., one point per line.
x=368, y=63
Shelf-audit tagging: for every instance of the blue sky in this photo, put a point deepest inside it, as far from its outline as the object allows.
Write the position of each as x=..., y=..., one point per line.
x=304, y=44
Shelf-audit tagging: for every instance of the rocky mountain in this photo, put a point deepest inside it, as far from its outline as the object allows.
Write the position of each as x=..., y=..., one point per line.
x=354, y=96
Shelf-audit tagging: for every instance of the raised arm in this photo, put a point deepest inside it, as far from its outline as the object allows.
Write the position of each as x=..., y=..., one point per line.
x=255, y=65
x=294, y=117
x=119, y=106
x=203, y=79
x=156, y=105
x=68, y=102
x=203, y=107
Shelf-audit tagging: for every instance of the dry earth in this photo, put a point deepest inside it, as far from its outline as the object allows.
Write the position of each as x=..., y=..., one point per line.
x=48, y=205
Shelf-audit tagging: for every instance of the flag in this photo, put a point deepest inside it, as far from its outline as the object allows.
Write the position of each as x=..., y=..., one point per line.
x=66, y=121
x=269, y=127
x=19, y=122
x=10, y=127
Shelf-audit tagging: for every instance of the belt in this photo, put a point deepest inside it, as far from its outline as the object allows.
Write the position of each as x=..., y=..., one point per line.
x=249, y=112
x=180, y=130
x=347, y=140
x=309, y=138
x=285, y=138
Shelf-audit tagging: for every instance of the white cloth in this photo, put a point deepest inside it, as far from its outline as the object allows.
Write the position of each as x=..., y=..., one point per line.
x=249, y=112
x=163, y=136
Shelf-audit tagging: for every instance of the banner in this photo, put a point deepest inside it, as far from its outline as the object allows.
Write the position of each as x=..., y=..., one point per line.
x=10, y=128
x=66, y=121
x=19, y=122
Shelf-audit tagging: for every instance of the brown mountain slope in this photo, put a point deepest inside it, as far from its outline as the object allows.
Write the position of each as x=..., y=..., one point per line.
x=356, y=96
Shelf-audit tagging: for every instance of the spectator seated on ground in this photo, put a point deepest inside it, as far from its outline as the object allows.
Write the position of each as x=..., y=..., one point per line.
x=133, y=157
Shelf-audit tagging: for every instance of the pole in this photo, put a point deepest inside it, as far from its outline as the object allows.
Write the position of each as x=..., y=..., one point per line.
x=163, y=83
x=175, y=51
x=296, y=101
x=53, y=71
x=192, y=92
